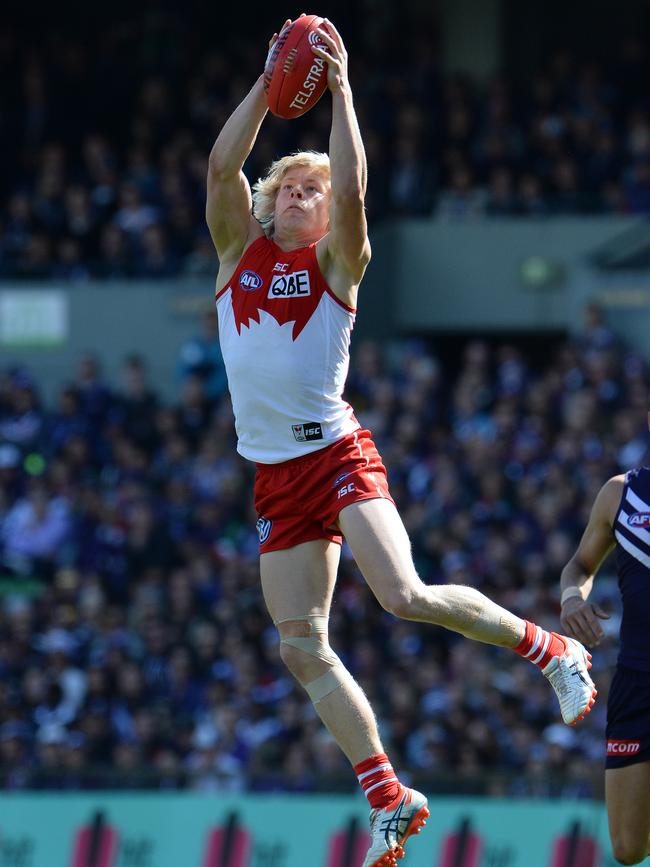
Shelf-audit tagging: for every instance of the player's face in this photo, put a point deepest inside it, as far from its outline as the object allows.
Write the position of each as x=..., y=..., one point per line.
x=302, y=204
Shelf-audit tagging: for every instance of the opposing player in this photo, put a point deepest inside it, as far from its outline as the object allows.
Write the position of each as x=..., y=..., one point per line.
x=620, y=518
x=292, y=256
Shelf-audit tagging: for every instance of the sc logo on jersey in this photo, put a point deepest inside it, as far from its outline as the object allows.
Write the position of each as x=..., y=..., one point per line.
x=294, y=285
x=249, y=280
x=264, y=527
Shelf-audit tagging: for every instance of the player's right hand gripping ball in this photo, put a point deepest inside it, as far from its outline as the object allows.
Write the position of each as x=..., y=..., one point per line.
x=294, y=77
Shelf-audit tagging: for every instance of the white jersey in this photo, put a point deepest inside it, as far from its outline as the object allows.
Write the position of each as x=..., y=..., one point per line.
x=285, y=339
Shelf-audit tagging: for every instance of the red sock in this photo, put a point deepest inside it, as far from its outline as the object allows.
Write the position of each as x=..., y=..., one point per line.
x=378, y=780
x=540, y=646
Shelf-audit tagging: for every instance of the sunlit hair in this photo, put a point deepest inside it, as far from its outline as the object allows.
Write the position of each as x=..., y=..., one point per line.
x=266, y=189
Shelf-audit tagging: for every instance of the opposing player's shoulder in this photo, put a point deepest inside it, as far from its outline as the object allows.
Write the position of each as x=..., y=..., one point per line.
x=641, y=474
x=609, y=498
x=615, y=483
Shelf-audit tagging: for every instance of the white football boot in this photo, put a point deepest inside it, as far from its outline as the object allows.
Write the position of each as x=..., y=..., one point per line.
x=391, y=826
x=569, y=676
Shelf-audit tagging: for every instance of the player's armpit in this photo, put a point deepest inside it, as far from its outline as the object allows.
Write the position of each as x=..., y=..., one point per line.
x=228, y=212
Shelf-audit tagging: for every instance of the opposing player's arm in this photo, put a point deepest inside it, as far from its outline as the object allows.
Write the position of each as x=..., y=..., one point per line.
x=347, y=241
x=229, y=204
x=580, y=618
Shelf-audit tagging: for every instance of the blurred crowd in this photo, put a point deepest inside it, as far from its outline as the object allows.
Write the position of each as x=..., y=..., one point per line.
x=105, y=135
x=135, y=649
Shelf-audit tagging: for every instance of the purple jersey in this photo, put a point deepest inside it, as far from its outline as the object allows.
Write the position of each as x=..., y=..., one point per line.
x=632, y=532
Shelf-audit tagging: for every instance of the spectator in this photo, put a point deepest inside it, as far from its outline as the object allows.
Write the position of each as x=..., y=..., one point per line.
x=201, y=357
x=133, y=215
x=114, y=261
x=411, y=183
x=501, y=201
x=461, y=200
x=34, y=529
x=155, y=259
x=137, y=405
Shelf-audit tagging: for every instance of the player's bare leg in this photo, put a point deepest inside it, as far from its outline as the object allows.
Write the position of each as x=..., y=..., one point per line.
x=627, y=792
x=300, y=581
x=382, y=550
x=298, y=584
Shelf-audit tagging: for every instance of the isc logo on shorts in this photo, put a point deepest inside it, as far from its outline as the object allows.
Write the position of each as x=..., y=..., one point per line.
x=264, y=526
x=294, y=285
x=345, y=490
x=623, y=748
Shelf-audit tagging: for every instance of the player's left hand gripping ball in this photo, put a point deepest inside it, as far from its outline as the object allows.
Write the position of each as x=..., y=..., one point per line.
x=294, y=77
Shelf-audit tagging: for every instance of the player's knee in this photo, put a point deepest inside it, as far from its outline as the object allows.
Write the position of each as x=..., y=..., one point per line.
x=399, y=601
x=629, y=851
x=303, y=666
x=414, y=601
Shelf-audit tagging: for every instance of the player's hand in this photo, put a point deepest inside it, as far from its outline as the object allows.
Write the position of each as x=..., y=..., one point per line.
x=581, y=620
x=274, y=38
x=334, y=53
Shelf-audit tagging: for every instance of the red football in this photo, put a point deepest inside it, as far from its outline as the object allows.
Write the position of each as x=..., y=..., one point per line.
x=294, y=77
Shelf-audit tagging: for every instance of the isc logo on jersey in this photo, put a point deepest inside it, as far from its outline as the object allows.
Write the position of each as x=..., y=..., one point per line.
x=639, y=519
x=310, y=430
x=294, y=285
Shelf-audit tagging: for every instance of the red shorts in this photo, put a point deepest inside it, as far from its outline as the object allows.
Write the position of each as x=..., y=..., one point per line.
x=300, y=500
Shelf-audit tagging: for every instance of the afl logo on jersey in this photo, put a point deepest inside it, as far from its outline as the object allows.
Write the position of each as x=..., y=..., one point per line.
x=249, y=280
x=264, y=527
x=639, y=519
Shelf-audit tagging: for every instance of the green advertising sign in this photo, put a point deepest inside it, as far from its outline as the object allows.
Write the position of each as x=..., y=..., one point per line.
x=113, y=830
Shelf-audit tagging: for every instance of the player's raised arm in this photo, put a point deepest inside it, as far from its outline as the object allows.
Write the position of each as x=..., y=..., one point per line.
x=229, y=204
x=580, y=618
x=348, y=239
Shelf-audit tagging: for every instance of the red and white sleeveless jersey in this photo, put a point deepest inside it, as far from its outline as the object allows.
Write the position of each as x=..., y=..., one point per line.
x=285, y=339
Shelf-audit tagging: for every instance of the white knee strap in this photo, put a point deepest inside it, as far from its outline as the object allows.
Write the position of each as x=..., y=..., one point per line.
x=316, y=644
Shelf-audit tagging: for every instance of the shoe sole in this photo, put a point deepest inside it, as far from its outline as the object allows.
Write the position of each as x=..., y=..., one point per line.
x=418, y=821
x=586, y=656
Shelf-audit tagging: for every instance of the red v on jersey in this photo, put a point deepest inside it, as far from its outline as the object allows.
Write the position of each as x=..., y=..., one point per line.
x=286, y=285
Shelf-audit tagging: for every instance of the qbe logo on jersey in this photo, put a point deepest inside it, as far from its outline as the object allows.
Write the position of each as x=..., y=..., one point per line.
x=294, y=285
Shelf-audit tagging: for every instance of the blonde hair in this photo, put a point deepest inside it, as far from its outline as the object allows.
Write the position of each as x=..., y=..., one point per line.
x=265, y=191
